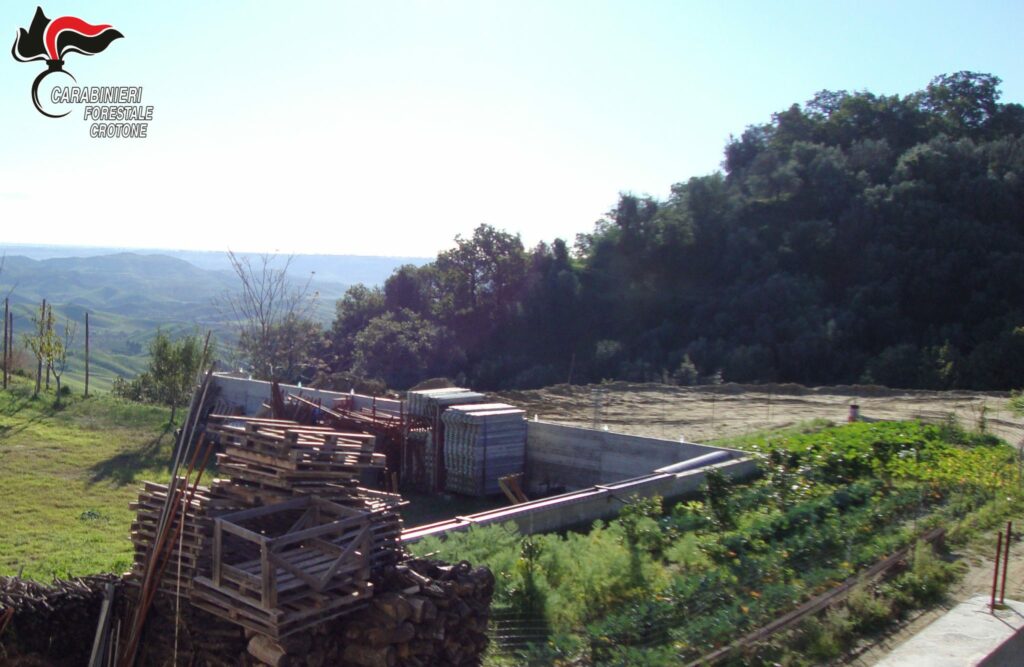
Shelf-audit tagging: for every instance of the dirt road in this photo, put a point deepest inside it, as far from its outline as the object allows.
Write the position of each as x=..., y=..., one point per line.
x=701, y=414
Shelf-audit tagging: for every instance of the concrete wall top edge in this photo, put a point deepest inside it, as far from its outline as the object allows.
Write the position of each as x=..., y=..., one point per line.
x=636, y=438
x=250, y=393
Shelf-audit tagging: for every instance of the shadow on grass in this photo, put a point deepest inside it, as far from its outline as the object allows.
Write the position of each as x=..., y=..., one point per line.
x=122, y=468
x=22, y=400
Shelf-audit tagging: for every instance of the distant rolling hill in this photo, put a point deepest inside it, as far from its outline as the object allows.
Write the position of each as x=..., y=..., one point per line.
x=130, y=294
x=343, y=270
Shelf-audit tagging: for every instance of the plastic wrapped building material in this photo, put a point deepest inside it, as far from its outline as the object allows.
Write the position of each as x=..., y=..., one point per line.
x=427, y=406
x=482, y=443
x=431, y=402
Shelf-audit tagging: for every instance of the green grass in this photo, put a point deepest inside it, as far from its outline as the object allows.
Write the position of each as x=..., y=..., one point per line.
x=67, y=474
x=104, y=367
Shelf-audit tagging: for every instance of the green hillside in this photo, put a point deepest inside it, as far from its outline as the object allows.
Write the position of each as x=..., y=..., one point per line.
x=67, y=475
x=128, y=296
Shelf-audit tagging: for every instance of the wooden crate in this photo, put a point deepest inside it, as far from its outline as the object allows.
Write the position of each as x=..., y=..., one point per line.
x=292, y=565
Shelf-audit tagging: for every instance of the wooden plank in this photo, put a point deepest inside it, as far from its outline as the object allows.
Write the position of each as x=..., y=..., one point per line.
x=218, y=537
x=234, y=529
x=349, y=550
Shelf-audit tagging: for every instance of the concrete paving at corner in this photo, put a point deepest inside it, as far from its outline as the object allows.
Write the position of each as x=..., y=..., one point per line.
x=969, y=634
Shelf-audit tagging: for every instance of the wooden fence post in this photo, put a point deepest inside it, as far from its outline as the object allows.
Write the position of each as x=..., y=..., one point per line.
x=9, y=324
x=6, y=356
x=87, y=354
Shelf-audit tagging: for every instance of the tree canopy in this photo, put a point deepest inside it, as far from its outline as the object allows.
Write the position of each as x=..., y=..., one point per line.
x=854, y=238
x=174, y=366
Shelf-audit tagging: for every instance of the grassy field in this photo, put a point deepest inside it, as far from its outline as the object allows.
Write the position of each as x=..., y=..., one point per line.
x=67, y=474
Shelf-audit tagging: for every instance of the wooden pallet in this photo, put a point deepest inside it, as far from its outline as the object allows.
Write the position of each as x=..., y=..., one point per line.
x=293, y=616
x=292, y=578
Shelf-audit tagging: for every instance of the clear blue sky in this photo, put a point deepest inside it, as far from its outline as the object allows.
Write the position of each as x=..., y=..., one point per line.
x=386, y=128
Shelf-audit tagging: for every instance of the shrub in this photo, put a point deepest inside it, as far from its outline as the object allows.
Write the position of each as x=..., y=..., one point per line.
x=925, y=583
x=868, y=612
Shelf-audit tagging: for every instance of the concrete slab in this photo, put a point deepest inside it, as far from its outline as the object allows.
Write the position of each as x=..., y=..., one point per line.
x=969, y=634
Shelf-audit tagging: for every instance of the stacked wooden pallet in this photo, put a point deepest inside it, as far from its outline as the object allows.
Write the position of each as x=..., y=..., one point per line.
x=286, y=456
x=193, y=546
x=267, y=462
x=483, y=442
x=193, y=538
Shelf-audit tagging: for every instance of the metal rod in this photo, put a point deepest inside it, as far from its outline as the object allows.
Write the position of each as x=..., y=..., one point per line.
x=995, y=571
x=166, y=519
x=102, y=637
x=1006, y=561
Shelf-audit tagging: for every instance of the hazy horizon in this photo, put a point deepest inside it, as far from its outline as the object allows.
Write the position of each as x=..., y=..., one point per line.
x=5, y=248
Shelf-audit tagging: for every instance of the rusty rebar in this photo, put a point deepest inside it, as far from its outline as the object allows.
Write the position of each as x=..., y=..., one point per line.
x=1006, y=561
x=995, y=571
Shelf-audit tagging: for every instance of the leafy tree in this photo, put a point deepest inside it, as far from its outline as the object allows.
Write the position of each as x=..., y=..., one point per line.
x=174, y=366
x=855, y=237
x=962, y=102
x=44, y=344
x=398, y=348
x=482, y=279
x=353, y=313
x=61, y=350
x=411, y=288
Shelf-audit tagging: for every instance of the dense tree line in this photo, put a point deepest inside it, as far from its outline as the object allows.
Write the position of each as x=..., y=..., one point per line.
x=855, y=238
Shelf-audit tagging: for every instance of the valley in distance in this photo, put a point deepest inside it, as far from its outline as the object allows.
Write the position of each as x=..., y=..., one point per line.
x=131, y=292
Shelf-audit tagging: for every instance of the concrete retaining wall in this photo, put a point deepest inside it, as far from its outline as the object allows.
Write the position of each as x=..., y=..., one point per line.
x=572, y=457
x=581, y=508
x=251, y=394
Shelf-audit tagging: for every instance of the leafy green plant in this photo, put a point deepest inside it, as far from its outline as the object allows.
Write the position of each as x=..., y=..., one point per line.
x=831, y=502
x=717, y=489
x=868, y=612
x=925, y=583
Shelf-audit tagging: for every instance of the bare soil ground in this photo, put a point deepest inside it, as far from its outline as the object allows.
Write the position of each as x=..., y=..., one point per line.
x=705, y=413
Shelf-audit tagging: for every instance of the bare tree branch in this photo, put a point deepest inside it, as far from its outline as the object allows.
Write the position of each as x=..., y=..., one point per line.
x=268, y=305
x=61, y=351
